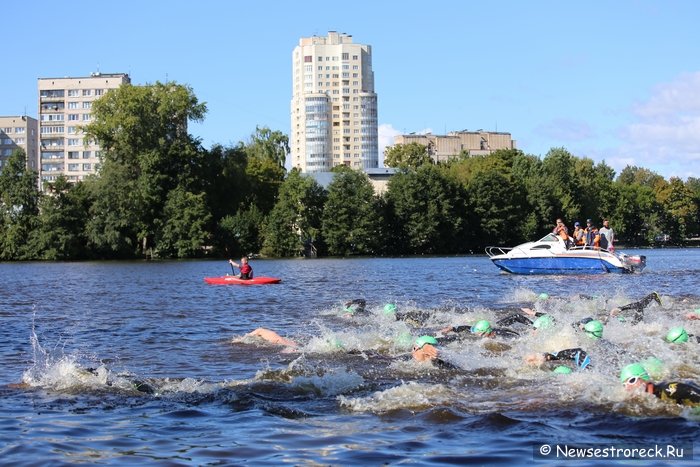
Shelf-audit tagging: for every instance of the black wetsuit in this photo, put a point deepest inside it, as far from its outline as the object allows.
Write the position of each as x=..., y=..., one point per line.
x=680, y=393
x=356, y=306
x=577, y=355
x=415, y=318
x=638, y=307
x=495, y=332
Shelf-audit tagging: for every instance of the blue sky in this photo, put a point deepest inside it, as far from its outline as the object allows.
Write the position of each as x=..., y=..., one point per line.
x=615, y=81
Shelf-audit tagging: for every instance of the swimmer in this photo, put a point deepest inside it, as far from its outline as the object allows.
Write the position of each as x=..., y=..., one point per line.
x=679, y=335
x=425, y=349
x=693, y=315
x=272, y=337
x=636, y=307
x=636, y=378
x=577, y=355
x=415, y=318
x=542, y=321
x=481, y=328
x=356, y=306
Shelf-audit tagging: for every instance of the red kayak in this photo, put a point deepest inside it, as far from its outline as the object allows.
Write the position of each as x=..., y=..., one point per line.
x=235, y=280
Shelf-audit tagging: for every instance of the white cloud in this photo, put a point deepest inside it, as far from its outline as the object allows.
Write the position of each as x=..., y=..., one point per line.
x=666, y=134
x=386, y=134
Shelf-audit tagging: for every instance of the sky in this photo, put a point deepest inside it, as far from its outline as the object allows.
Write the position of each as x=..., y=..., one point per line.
x=612, y=81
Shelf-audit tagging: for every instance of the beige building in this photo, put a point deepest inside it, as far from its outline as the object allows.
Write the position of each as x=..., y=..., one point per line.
x=19, y=133
x=334, y=106
x=64, y=108
x=444, y=147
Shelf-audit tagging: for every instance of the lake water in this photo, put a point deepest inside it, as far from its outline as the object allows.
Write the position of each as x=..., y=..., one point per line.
x=83, y=336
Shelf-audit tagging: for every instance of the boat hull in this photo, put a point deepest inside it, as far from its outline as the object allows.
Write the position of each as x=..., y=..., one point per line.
x=557, y=266
x=233, y=280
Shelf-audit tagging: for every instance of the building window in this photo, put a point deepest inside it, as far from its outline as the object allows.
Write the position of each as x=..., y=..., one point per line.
x=7, y=130
x=19, y=129
x=71, y=130
x=73, y=167
x=73, y=155
x=354, y=57
x=87, y=166
x=72, y=105
x=87, y=154
x=73, y=141
x=72, y=117
x=307, y=58
x=99, y=92
x=355, y=67
x=20, y=141
x=72, y=93
x=346, y=56
x=87, y=105
x=87, y=92
x=86, y=117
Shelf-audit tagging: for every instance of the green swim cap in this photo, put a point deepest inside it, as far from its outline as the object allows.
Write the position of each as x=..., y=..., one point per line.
x=654, y=367
x=335, y=342
x=543, y=296
x=562, y=370
x=543, y=322
x=633, y=370
x=389, y=308
x=349, y=310
x=481, y=327
x=697, y=311
x=422, y=340
x=677, y=335
x=594, y=329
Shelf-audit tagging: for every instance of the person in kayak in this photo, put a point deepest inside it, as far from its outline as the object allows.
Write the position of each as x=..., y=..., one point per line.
x=636, y=378
x=246, y=271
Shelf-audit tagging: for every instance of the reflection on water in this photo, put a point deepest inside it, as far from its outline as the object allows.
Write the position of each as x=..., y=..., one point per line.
x=126, y=362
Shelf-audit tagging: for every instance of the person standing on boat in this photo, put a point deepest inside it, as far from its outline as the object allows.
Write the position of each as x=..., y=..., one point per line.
x=246, y=271
x=592, y=236
x=579, y=234
x=607, y=236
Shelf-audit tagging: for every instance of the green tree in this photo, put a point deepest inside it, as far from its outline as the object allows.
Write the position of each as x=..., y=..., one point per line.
x=19, y=208
x=407, y=156
x=350, y=219
x=430, y=209
x=241, y=234
x=148, y=152
x=295, y=221
x=679, y=209
x=185, y=219
x=60, y=234
x=266, y=153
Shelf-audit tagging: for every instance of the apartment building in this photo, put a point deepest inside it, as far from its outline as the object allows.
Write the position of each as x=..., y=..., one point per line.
x=334, y=106
x=19, y=133
x=64, y=108
x=444, y=147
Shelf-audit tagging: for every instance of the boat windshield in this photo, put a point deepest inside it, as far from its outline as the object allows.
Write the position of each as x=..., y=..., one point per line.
x=550, y=237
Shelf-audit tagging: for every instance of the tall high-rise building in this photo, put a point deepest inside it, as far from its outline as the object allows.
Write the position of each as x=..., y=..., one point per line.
x=18, y=133
x=334, y=106
x=64, y=107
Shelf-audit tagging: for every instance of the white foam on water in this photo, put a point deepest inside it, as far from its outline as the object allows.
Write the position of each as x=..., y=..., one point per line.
x=410, y=395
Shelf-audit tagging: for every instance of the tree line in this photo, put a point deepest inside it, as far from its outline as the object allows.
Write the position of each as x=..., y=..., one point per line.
x=159, y=193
